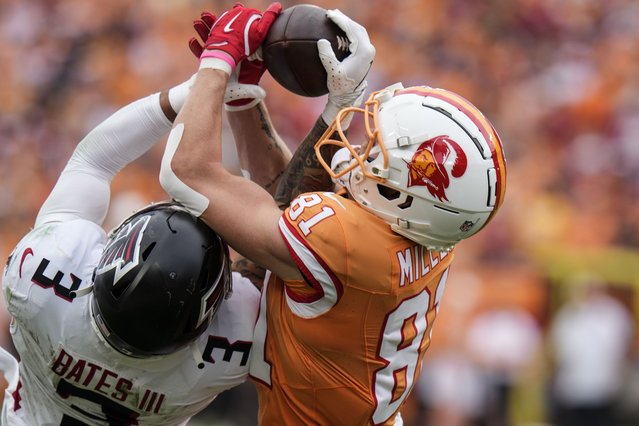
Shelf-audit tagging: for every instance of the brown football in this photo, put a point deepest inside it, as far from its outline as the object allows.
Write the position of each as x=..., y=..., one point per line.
x=290, y=49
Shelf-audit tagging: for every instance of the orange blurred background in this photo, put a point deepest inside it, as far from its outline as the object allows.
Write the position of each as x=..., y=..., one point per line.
x=559, y=81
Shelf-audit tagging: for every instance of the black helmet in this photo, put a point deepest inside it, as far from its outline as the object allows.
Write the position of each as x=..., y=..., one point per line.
x=161, y=277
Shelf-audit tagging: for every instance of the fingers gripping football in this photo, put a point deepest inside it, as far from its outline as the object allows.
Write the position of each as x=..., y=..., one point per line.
x=235, y=35
x=242, y=91
x=251, y=69
x=346, y=80
x=349, y=73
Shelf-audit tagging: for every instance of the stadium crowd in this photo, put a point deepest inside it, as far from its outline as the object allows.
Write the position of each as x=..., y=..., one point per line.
x=560, y=82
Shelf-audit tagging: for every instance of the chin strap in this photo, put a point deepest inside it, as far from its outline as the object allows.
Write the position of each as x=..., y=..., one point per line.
x=81, y=291
x=197, y=356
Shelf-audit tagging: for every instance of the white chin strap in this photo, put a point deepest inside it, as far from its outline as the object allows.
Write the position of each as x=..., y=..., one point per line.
x=339, y=162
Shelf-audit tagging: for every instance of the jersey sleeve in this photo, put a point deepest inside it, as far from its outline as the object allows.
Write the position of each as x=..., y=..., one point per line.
x=48, y=264
x=245, y=297
x=83, y=188
x=312, y=228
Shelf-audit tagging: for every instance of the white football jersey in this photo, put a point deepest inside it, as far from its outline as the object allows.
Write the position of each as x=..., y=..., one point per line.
x=67, y=373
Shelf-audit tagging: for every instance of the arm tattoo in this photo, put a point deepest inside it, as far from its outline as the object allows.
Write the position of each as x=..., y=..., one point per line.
x=275, y=143
x=304, y=172
x=266, y=124
x=250, y=270
x=275, y=179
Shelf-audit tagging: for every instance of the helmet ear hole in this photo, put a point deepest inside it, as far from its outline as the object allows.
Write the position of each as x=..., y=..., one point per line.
x=406, y=204
x=117, y=290
x=393, y=194
x=148, y=250
x=387, y=192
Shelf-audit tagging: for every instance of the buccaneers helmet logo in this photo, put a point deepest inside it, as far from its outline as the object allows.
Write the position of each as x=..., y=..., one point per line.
x=427, y=167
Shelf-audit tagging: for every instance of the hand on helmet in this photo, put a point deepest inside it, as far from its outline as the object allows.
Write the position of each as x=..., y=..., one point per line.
x=233, y=37
x=346, y=79
x=242, y=91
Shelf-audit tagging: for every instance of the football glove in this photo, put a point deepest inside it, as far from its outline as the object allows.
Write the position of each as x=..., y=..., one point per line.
x=242, y=91
x=235, y=35
x=346, y=80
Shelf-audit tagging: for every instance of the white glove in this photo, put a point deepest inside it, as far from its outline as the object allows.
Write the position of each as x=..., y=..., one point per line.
x=234, y=91
x=347, y=79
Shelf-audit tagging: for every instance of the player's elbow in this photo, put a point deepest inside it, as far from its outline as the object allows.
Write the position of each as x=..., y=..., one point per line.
x=168, y=176
x=179, y=167
x=180, y=177
x=183, y=188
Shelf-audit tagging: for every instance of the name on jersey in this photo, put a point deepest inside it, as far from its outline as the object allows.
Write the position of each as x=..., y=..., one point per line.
x=79, y=375
x=88, y=380
x=416, y=262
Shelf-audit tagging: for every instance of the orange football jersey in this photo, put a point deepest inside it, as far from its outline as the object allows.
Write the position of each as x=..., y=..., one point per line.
x=345, y=345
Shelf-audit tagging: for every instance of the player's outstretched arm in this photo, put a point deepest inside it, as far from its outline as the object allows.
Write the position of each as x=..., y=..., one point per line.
x=242, y=212
x=261, y=151
x=83, y=188
x=346, y=82
x=262, y=154
x=304, y=172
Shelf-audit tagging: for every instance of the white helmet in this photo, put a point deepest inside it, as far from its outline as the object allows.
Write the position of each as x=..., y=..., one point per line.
x=433, y=166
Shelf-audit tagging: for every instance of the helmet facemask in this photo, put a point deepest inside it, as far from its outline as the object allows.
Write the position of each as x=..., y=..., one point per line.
x=358, y=155
x=432, y=166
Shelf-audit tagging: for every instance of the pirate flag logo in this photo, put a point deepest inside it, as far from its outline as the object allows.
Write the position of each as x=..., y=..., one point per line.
x=428, y=165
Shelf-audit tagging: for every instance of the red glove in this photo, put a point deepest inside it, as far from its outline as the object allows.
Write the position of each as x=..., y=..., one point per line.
x=250, y=71
x=235, y=35
x=202, y=27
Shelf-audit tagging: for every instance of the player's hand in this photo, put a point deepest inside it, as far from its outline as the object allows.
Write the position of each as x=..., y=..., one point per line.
x=346, y=79
x=242, y=91
x=241, y=96
x=250, y=70
x=235, y=35
x=237, y=96
x=202, y=27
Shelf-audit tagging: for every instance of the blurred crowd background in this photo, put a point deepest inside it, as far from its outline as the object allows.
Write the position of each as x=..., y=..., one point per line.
x=538, y=322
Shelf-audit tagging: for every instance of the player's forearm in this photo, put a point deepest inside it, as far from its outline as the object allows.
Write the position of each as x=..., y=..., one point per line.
x=165, y=104
x=260, y=149
x=304, y=172
x=124, y=136
x=201, y=115
x=193, y=153
x=82, y=191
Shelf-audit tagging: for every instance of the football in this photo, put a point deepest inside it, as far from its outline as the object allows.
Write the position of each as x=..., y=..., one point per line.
x=290, y=49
